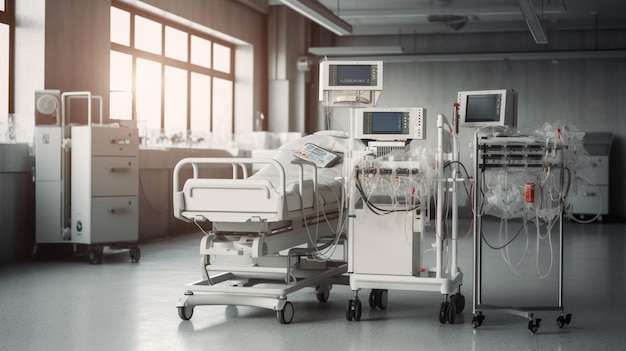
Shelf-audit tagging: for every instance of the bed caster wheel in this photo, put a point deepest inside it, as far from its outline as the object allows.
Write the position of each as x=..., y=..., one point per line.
x=322, y=293
x=378, y=299
x=135, y=253
x=353, y=310
x=477, y=321
x=533, y=325
x=285, y=316
x=95, y=254
x=185, y=312
x=562, y=321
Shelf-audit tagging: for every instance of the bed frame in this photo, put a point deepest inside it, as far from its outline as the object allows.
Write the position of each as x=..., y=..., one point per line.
x=260, y=247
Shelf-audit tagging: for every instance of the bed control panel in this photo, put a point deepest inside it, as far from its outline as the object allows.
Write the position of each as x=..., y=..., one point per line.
x=321, y=157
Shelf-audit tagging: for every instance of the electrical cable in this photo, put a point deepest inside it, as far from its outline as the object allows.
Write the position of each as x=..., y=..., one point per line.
x=375, y=209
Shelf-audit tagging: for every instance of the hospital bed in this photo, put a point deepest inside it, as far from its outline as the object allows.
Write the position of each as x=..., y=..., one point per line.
x=270, y=231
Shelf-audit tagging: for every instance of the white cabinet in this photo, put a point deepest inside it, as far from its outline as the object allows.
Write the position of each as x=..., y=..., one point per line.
x=105, y=176
x=49, y=186
x=593, y=198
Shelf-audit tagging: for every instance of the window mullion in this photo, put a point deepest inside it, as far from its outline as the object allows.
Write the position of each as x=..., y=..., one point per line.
x=191, y=69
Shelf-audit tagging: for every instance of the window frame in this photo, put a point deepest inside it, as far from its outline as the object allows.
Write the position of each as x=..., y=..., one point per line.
x=164, y=61
x=8, y=17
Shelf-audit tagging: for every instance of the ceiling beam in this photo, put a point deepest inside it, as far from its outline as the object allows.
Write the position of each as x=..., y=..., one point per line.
x=497, y=56
x=422, y=12
x=316, y=12
x=533, y=21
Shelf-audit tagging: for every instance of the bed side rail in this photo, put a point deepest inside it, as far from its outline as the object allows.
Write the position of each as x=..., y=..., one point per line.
x=237, y=163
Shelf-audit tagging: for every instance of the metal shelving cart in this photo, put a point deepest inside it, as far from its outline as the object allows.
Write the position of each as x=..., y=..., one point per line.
x=513, y=155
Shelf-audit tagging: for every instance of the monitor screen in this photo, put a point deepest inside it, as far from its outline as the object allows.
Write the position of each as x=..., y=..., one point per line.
x=352, y=75
x=483, y=108
x=487, y=108
x=390, y=124
x=387, y=123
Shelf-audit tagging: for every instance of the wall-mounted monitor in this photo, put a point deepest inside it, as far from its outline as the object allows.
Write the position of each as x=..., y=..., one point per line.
x=351, y=75
x=389, y=124
x=487, y=108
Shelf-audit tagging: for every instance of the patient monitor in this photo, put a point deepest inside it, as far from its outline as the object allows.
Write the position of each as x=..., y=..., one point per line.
x=390, y=124
x=487, y=108
x=350, y=83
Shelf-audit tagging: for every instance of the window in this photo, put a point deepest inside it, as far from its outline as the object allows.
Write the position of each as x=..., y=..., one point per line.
x=7, y=28
x=182, y=80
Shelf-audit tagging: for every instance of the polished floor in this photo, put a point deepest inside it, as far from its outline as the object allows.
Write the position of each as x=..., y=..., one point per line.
x=61, y=302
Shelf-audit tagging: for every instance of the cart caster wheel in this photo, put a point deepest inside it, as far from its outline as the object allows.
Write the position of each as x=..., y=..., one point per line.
x=477, y=321
x=372, y=298
x=185, y=312
x=95, y=254
x=378, y=299
x=322, y=293
x=357, y=310
x=562, y=321
x=451, y=310
x=349, y=311
x=533, y=325
x=381, y=299
x=443, y=312
x=459, y=301
x=135, y=253
x=285, y=316
x=33, y=252
x=353, y=310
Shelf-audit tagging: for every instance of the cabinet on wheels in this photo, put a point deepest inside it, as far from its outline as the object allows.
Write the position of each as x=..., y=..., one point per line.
x=104, y=192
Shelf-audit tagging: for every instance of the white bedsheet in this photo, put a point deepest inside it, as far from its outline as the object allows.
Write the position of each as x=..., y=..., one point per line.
x=329, y=188
x=259, y=196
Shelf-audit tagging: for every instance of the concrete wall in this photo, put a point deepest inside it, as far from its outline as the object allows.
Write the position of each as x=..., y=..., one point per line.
x=585, y=92
x=17, y=208
x=64, y=44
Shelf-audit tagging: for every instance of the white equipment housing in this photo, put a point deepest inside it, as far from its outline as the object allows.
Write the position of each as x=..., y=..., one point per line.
x=101, y=173
x=49, y=186
x=350, y=83
x=390, y=124
x=392, y=230
x=487, y=108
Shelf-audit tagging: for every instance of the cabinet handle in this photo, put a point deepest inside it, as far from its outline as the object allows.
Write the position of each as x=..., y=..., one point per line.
x=119, y=210
x=120, y=141
x=585, y=193
x=119, y=169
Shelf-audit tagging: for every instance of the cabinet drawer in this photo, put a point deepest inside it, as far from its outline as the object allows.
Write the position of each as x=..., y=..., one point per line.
x=114, y=219
x=115, y=141
x=591, y=200
x=600, y=166
x=114, y=176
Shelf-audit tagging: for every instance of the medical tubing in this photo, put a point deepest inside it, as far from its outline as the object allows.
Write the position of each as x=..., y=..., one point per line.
x=325, y=256
x=206, y=271
x=597, y=215
x=549, y=235
x=493, y=247
x=375, y=209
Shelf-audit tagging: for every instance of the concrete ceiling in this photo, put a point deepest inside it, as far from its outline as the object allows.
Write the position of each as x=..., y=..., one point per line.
x=392, y=17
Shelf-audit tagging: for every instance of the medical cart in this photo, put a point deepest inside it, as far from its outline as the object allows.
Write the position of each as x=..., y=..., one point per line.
x=537, y=160
x=387, y=235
